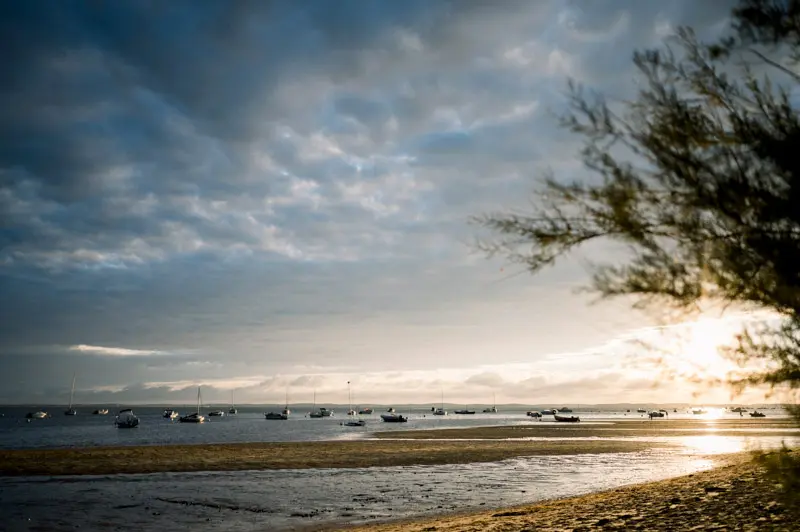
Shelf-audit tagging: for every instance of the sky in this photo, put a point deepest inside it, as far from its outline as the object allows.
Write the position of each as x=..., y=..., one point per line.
x=275, y=196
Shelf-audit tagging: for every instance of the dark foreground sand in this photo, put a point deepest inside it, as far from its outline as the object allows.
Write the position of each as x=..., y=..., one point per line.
x=735, y=496
x=297, y=455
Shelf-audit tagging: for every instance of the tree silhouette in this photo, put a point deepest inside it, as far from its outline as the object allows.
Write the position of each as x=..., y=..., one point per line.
x=698, y=177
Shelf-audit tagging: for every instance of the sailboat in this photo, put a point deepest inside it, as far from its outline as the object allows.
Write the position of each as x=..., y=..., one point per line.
x=440, y=411
x=465, y=411
x=493, y=409
x=316, y=414
x=196, y=417
x=351, y=412
x=280, y=415
x=71, y=411
x=232, y=410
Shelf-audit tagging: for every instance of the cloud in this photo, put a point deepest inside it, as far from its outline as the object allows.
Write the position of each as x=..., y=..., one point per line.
x=113, y=351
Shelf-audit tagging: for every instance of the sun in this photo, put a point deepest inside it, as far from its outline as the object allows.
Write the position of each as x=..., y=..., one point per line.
x=697, y=347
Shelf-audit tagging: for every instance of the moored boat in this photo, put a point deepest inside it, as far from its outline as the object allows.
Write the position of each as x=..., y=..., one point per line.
x=465, y=411
x=39, y=414
x=170, y=414
x=365, y=411
x=126, y=419
x=533, y=413
x=100, y=412
x=195, y=417
x=566, y=419
x=756, y=413
x=216, y=413
x=276, y=415
x=394, y=418
x=71, y=411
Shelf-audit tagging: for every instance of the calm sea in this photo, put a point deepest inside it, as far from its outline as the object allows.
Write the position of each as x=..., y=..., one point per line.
x=86, y=430
x=313, y=498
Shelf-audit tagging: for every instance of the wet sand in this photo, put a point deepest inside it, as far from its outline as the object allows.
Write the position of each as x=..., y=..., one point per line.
x=297, y=455
x=608, y=429
x=735, y=496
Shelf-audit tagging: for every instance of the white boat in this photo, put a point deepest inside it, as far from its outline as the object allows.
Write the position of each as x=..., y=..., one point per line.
x=232, y=410
x=549, y=411
x=39, y=414
x=170, y=414
x=366, y=411
x=126, y=419
x=195, y=417
x=216, y=413
x=391, y=410
x=350, y=412
x=100, y=412
x=440, y=411
x=71, y=411
x=699, y=411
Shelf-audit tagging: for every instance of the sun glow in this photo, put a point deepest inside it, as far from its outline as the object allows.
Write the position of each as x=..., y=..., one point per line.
x=694, y=349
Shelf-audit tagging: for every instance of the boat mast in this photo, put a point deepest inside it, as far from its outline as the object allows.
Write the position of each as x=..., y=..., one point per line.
x=198, y=400
x=349, y=400
x=72, y=393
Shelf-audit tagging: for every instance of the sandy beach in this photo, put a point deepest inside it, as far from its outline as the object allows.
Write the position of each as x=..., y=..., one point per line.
x=735, y=496
x=298, y=455
x=608, y=429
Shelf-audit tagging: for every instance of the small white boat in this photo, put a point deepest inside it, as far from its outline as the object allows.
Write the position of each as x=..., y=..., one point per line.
x=126, y=419
x=391, y=410
x=216, y=413
x=351, y=412
x=39, y=414
x=440, y=411
x=100, y=412
x=365, y=411
x=170, y=414
x=699, y=411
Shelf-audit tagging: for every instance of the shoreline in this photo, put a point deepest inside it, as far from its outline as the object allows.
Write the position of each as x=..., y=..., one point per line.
x=295, y=455
x=735, y=494
x=604, y=429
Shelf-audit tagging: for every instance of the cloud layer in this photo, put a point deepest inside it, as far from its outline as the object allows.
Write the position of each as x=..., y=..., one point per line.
x=261, y=187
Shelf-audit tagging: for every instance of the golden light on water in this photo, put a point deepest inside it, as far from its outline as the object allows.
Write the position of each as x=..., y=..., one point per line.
x=714, y=444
